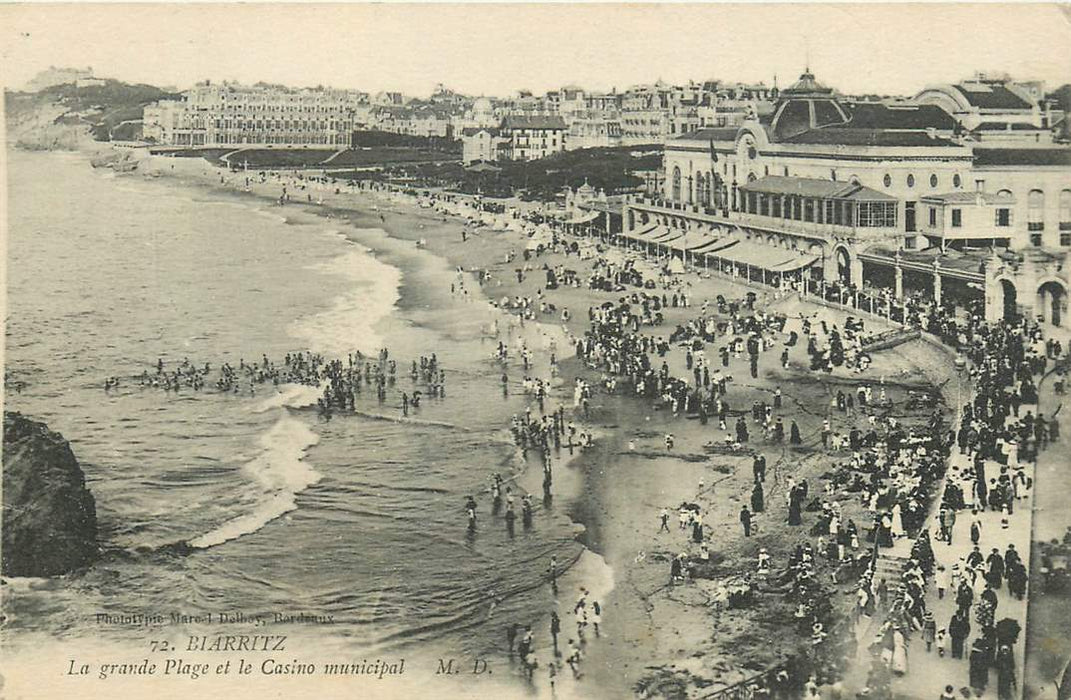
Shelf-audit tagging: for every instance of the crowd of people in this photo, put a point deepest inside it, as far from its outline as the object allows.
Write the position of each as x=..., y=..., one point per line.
x=895, y=471
x=341, y=381
x=998, y=436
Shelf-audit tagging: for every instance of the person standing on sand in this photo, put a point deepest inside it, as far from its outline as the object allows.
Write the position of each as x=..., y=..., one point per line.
x=758, y=467
x=745, y=520
x=573, y=658
x=555, y=629
x=665, y=520
x=794, y=434
x=757, y=498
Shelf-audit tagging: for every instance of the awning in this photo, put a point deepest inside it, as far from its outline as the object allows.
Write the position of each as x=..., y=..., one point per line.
x=796, y=264
x=691, y=240
x=640, y=234
x=712, y=246
x=761, y=256
x=670, y=235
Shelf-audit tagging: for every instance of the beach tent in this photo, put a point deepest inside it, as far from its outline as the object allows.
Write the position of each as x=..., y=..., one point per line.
x=675, y=266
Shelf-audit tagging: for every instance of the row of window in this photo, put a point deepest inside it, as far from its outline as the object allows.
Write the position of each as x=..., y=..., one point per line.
x=1035, y=198
x=828, y=211
x=1002, y=218
x=275, y=125
x=1065, y=239
x=957, y=181
x=271, y=108
x=229, y=138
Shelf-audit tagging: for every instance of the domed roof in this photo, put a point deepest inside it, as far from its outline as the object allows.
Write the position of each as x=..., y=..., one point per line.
x=807, y=85
x=482, y=104
x=806, y=105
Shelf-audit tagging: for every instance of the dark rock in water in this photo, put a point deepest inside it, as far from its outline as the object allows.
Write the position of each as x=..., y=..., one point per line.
x=50, y=518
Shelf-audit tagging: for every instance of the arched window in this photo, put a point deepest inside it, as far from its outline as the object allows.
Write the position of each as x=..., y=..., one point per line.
x=1065, y=210
x=1035, y=214
x=676, y=184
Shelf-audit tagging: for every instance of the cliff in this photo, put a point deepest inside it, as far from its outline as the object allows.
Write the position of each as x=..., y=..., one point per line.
x=69, y=117
x=49, y=516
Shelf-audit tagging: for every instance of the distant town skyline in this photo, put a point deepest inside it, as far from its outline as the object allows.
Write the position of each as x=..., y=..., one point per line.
x=491, y=49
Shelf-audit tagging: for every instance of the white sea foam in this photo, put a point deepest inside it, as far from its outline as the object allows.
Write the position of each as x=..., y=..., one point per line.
x=280, y=475
x=270, y=214
x=291, y=395
x=350, y=323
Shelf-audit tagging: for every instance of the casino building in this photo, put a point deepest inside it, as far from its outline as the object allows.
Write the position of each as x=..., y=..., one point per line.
x=892, y=199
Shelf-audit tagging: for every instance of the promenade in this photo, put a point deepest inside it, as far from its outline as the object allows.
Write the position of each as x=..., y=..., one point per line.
x=928, y=672
x=1048, y=635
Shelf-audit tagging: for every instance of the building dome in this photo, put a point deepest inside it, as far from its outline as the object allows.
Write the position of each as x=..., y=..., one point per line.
x=807, y=85
x=806, y=105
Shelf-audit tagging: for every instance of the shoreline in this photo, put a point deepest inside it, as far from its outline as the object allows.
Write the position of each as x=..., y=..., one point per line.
x=355, y=223
x=606, y=533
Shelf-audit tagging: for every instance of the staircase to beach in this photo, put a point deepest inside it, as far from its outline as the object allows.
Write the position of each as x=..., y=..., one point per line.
x=890, y=566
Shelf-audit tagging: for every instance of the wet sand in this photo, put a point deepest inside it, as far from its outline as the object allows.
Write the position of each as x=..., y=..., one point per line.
x=656, y=638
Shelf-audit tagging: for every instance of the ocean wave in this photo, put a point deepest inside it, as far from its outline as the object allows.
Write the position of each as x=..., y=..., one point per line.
x=290, y=396
x=279, y=472
x=350, y=323
x=411, y=421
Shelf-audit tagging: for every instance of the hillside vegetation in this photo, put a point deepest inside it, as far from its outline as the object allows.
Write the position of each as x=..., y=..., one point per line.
x=62, y=115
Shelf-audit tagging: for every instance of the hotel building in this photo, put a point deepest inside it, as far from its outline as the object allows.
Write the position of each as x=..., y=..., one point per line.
x=229, y=114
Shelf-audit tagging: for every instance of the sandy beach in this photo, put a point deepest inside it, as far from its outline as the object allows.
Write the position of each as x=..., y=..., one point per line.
x=659, y=639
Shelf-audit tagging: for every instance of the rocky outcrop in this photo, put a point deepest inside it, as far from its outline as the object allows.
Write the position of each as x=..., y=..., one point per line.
x=49, y=517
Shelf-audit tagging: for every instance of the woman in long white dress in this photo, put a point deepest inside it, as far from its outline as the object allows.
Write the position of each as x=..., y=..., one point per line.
x=1013, y=453
x=897, y=522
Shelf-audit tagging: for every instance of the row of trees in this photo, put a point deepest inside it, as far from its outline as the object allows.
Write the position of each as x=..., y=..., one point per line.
x=610, y=169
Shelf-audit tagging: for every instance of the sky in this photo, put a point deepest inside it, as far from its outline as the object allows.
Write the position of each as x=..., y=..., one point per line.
x=496, y=49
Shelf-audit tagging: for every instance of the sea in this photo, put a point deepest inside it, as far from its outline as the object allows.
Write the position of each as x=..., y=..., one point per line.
x=255, y=503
